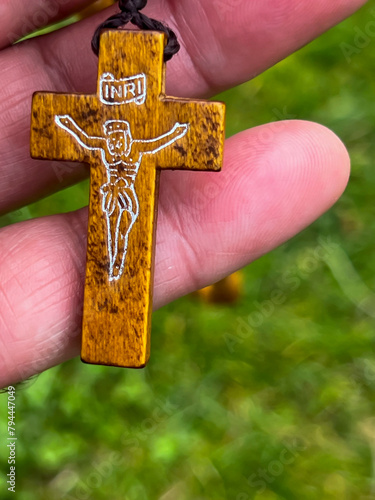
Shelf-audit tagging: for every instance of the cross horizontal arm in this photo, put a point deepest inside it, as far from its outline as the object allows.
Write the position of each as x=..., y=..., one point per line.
x=67, y=123
x=201, y=147
x=153, y=146
x=57, y=124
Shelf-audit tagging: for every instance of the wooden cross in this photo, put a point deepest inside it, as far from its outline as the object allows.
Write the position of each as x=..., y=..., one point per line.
x=127, y=133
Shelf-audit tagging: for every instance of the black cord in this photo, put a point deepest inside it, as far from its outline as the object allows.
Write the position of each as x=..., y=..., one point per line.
x=130, y=12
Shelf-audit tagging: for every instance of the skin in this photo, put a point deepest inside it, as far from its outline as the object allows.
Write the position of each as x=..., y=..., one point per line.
x=267, y=192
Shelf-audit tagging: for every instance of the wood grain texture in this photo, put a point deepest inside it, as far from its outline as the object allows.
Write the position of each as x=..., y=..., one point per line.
x=127, y=133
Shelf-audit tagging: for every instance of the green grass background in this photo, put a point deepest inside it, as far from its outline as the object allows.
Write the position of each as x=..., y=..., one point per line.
x=282, y=410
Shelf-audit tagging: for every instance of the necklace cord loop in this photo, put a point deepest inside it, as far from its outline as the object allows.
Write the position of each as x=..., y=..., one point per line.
x=130, y=12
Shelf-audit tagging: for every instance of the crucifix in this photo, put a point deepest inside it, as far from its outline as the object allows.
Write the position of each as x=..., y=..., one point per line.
x=128, y=132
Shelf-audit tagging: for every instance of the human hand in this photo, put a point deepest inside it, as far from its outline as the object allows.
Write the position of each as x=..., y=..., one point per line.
x=264, y=196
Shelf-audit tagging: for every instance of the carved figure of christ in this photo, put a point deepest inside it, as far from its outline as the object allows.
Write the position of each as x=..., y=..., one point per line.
x=169, y=133
x=122, y=157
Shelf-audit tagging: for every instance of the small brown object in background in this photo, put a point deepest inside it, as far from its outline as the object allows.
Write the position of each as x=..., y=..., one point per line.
x=95, y=7
x=169, y=133
x=226, y=291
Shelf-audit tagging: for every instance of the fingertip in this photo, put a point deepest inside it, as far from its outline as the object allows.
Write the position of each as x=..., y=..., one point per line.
x=326, y=159
x=277, y=179
x=305, y=160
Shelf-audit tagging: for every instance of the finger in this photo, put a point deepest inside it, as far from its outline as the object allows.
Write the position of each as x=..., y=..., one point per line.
x=219, y=51
x=229, y=42
x=276, y=180
x=20, y=18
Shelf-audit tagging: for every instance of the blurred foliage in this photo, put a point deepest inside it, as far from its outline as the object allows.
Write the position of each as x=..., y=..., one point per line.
x=272, y=398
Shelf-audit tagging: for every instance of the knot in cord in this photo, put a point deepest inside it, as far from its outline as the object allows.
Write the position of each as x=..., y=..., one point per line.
x=130, y=12
x=132, y=6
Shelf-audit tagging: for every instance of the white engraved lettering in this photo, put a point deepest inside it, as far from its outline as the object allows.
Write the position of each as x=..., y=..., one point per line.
x=123, y=91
